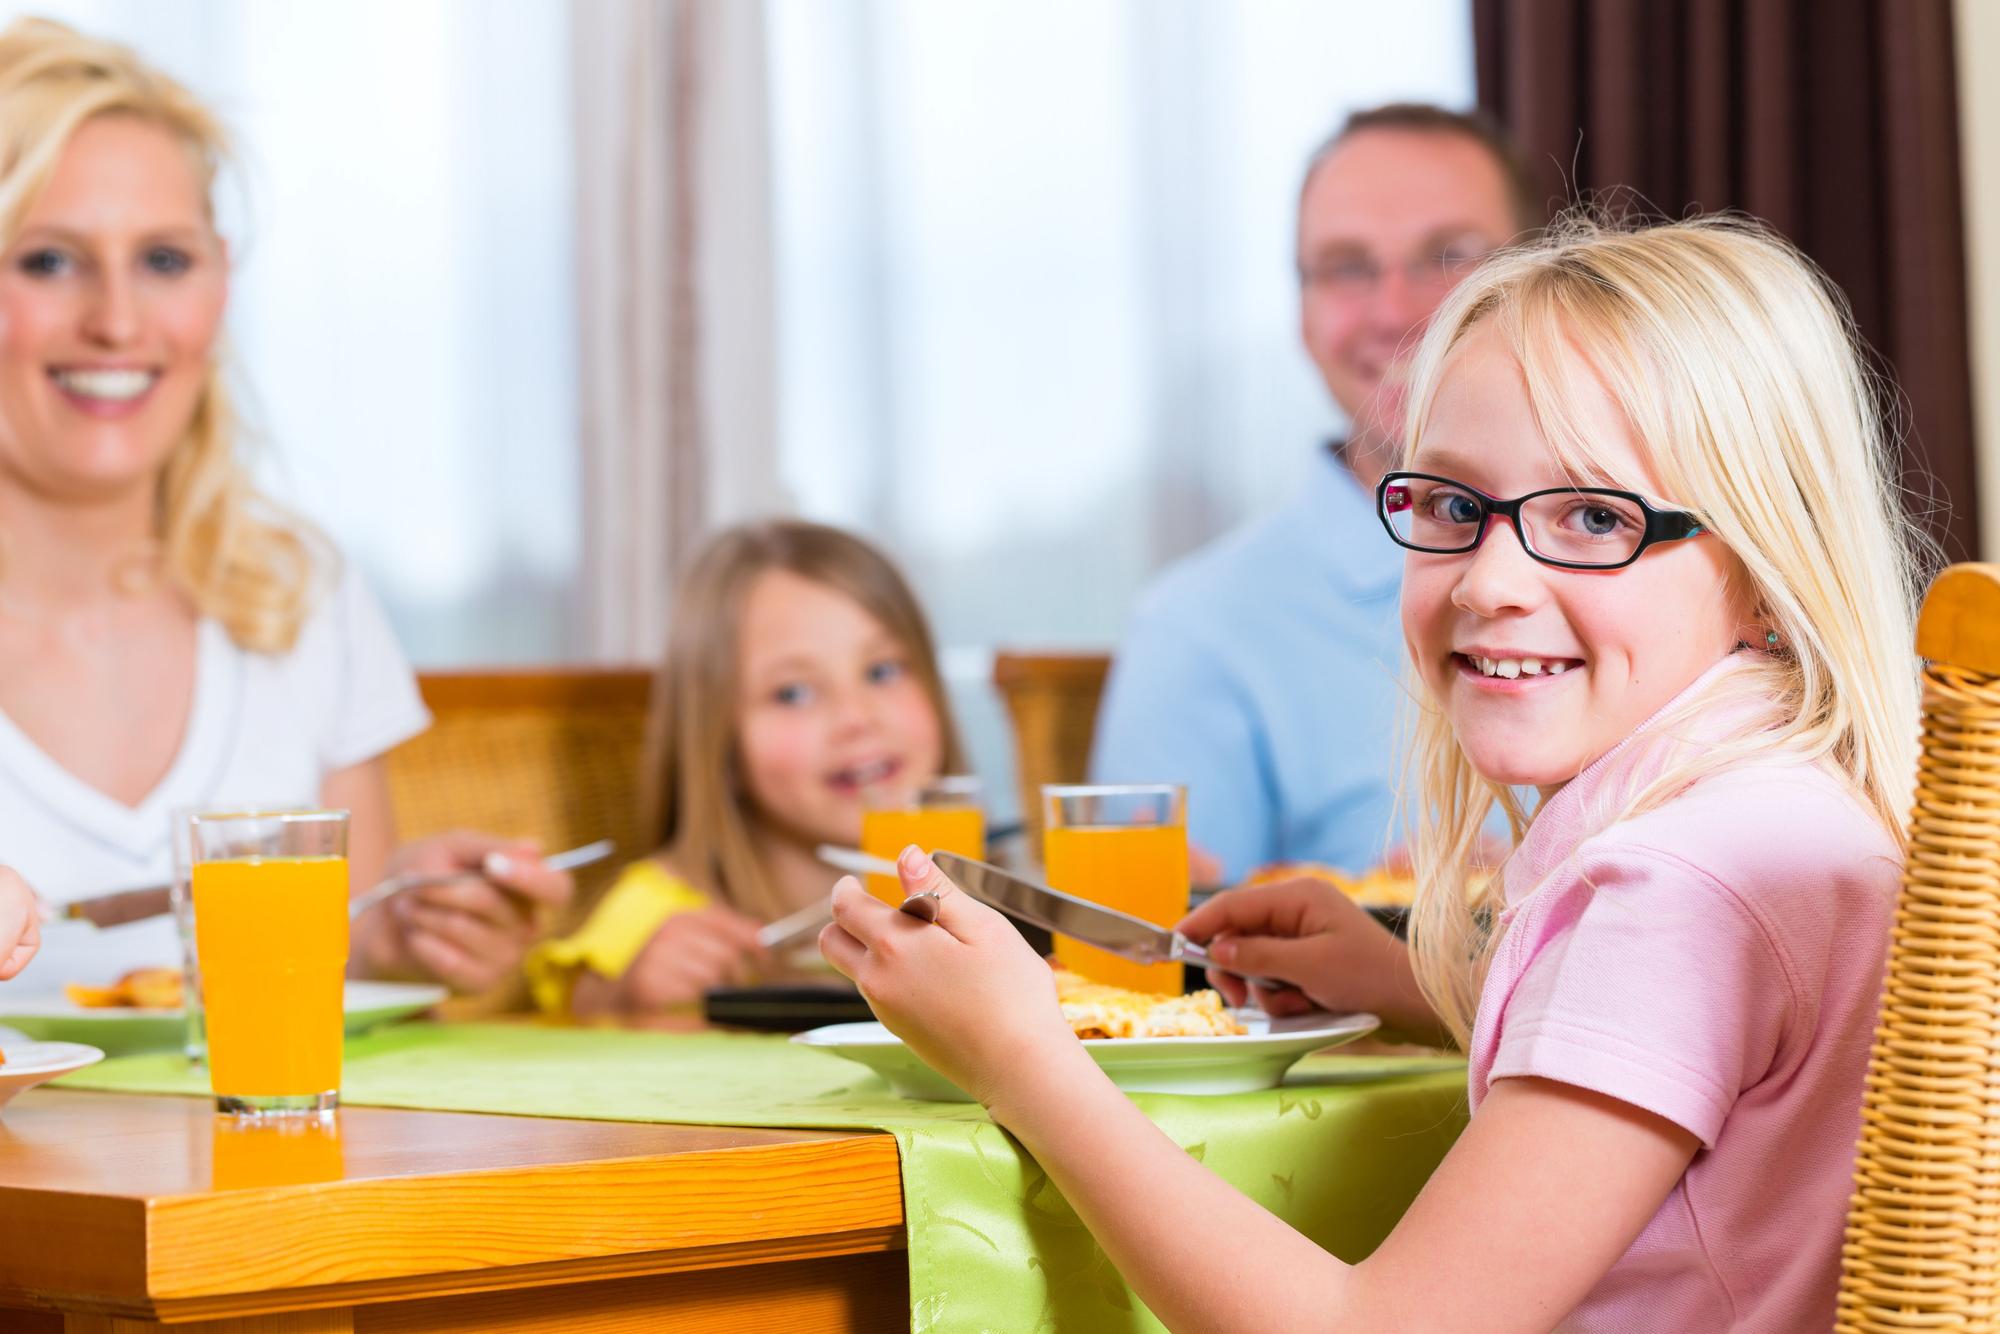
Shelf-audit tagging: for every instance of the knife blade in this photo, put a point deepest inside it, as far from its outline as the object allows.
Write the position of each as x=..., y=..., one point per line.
x=1107, y=929
x=126, y=905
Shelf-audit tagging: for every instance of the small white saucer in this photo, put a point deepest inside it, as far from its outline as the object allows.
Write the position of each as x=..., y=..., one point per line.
x=30, y=1063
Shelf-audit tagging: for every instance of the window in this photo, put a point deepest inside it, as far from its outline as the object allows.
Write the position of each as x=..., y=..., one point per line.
x=403, y=309
x=1035, y=296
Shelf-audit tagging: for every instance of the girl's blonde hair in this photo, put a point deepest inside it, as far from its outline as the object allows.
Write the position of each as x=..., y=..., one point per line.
x=237, y=556
x=1737, y=366
x=695, y=796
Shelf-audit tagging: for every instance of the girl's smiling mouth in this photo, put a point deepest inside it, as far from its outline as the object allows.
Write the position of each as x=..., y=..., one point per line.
x=1516, y=669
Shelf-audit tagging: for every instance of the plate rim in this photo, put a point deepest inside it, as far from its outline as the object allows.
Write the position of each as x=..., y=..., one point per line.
x=15, y=1069
x=1339, y=1025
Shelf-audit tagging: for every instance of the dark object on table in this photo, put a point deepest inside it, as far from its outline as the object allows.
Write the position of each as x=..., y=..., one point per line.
x=790, y=1008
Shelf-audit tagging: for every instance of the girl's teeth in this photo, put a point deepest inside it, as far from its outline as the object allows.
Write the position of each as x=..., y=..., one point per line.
x=1512, y=668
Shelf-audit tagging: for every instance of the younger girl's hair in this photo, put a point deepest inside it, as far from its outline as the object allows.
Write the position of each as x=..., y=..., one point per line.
x=694, y=795
x=237, y=556
x=1737, y=366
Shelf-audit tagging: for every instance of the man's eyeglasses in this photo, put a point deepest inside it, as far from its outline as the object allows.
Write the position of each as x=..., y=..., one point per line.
x=1572, y=528
x=1354, y=274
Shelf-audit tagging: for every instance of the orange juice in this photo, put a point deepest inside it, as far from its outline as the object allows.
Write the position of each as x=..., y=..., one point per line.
x=257, y=1155
x=886, y=832
x=1137, y=869
x=271, y=933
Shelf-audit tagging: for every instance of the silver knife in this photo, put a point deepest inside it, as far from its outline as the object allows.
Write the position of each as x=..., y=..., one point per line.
x=1094, y=924
x=1112, y=931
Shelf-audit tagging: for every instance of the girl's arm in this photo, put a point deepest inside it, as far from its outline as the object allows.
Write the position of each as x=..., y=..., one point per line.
x=1545, y=1190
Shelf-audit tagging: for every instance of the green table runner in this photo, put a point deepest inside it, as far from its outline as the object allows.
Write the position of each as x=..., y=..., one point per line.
x=1338, y=1151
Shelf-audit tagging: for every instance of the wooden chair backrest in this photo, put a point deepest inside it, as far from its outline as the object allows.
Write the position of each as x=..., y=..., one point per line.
x=1052, y=701
x=550, y=754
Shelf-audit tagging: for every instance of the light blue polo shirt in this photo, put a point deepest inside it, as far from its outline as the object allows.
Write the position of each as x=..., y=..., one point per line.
x=1264, y=671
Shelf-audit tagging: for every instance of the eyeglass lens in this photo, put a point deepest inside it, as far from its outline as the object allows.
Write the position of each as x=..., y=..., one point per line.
x=1581, y=527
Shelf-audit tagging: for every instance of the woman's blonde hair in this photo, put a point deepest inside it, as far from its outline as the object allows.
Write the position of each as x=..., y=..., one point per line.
x=238, y=557
x=695, y=795
x=1737, y=366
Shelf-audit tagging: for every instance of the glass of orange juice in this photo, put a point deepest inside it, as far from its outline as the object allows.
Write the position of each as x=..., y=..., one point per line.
x=270, y=925
x=1125, y=847
x=942, y=815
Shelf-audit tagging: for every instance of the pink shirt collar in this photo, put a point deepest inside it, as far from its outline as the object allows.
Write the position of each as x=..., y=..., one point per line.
x=1581, y=807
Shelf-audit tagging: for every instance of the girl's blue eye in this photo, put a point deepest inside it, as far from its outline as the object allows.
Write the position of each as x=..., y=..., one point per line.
x=44, y=263
x=793, y=695
x=881, y=673
x=1452, y=507
x=169, y=261
x=1593, y=518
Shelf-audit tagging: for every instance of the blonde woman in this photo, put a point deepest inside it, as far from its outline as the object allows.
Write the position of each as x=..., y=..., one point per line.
x=168, y=637
x=1654, y=570
x=799, y=674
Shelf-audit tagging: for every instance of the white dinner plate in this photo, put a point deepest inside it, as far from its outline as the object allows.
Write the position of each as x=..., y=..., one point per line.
x=54, y=1017
x=27, y=1064
x=1254, y=1060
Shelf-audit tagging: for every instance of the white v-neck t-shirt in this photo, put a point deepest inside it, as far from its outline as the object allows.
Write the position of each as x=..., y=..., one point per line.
x=265, y=730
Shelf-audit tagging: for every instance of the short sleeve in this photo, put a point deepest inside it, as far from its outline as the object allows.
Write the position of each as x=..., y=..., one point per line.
x=373, y=703
x=644, y=896
x=1649, y=982
x=1172, y=713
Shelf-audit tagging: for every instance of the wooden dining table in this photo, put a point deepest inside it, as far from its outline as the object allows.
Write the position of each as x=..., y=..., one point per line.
x=121, y=1213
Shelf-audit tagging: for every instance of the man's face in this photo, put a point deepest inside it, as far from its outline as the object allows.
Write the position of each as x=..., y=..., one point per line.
x=1388, y=222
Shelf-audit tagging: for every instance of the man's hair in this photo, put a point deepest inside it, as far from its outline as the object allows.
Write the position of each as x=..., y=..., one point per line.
x=1523, y=194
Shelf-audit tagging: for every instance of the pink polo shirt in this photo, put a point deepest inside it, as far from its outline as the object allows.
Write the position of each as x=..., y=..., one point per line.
x=1717, y=961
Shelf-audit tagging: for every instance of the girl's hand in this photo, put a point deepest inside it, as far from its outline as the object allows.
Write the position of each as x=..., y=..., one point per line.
x=1306, y=932
x=20, y=924
x=692, y=953
x=468, y=933
x=965, y=992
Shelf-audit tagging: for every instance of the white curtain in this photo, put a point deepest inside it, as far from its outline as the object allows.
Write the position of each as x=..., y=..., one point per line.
x=675, y=307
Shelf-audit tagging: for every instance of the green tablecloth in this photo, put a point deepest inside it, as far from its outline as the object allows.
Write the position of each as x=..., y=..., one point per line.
x=1338, y=1151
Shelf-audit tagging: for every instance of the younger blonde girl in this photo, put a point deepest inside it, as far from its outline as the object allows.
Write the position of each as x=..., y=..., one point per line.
x=799, y=675
x=1655, y=570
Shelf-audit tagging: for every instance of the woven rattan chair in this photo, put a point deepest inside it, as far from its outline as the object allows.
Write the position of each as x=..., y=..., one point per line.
x=1052, y=700
x=551, y=755
x=1923, y=1231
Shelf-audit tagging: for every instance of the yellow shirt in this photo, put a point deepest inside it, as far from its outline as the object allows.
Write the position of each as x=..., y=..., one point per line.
x=644, y=895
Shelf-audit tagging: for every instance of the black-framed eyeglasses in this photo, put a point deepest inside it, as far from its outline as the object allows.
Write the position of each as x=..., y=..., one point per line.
x=1572, y=528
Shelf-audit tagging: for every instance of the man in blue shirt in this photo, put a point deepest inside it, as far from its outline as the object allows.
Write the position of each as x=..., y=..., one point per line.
x=1265, y=670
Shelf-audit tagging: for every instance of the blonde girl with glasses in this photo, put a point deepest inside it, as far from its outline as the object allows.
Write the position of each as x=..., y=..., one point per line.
x=1666, y=995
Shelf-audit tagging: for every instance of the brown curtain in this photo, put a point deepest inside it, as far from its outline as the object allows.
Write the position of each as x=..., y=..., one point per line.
x=1834, y=120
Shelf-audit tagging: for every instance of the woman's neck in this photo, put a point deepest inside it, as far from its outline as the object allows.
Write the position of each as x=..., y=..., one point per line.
x=57, y=555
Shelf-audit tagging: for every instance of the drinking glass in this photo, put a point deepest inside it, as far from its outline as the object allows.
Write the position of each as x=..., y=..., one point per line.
x=180, y=832
x=1124, y=846
x=270, y=922
x=942, y=815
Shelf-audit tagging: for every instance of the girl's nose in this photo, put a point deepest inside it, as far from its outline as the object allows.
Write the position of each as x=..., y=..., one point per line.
x=1499, y=575
x=112, y=318
x=853, y=711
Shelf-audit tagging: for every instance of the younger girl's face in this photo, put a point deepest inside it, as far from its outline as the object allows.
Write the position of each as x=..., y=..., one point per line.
x=1629, y=640
x=830, y=707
